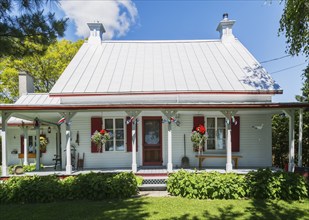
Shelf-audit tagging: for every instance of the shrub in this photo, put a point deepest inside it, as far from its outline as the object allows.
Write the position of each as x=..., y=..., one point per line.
x=30, y=189
x=205, y=185
x=27, y=168
x=265, y=184
x=92, y=186
x=261, y=184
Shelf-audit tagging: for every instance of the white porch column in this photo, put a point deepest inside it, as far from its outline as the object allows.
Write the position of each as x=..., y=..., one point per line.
x=68, y=167
x=25, y=130
x=229, y=165
x=5, y=118
x=229, y=116
x=134, y=164
x=169, y=148
x=300, y=139
x=291, y=114
x=68, y=116
x=37, y=149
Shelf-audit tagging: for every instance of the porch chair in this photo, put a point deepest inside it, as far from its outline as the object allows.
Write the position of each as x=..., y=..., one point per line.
x=80, y=162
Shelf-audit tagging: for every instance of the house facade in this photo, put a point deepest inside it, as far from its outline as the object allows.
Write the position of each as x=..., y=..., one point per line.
x=150, y=95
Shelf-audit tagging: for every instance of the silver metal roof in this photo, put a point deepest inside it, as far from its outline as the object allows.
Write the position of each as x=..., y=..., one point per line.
x=163, y=66
x=37, y=99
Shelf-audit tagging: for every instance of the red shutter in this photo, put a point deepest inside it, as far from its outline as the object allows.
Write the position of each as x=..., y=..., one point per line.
x=96, y=125
x=235, y=135
x=22, y=144
x=129, y=137
x=199, y=120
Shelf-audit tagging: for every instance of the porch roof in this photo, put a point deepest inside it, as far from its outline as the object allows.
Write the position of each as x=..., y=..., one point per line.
x=180, y=106
x=163, y=67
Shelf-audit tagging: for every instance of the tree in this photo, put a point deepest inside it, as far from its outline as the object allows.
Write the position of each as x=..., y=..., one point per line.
x=45, y=68
x=295, y=24
x=25, y=20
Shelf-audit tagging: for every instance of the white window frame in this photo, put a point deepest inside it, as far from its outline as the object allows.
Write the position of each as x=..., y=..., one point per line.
x=114, y=132
x=216, y=133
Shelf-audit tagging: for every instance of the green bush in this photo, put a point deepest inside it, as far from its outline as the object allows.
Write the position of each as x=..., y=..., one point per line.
x=206, y=185
x=27, y=168
x=97, y=186
x=30, y=189
x=92, y=186
x=261, y=184
x=265, y=184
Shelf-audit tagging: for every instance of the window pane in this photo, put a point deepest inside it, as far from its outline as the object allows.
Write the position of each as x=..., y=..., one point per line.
x=221, y=139
x=221, y=123
x=119, y=145
x=210, y=144
x=109, y=145
x=109, y=124
x=210, y=122
x=119, y=134
x=119, y=123
x=211, y=133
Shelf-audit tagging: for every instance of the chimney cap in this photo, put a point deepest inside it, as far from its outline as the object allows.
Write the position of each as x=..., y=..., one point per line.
x=96, y=26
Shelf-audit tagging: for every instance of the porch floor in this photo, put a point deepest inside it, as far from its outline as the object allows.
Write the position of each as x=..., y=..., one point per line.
x=142, y=171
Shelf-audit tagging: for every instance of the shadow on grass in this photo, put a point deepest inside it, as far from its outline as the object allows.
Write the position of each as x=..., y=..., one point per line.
x=109, y=209
x=261, y=209
x=255, y=210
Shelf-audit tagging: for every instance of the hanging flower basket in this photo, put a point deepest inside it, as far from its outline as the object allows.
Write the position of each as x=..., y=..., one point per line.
x=100, y=138
x=199, y=137
x=43, y=143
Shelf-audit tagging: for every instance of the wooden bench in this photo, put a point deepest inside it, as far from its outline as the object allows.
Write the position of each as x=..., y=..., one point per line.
x=202, y=157
x=30, y=156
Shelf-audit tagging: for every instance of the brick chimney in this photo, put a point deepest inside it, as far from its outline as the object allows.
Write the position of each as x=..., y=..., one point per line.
x=225, y=28
x=26, y=83
x=96, y=32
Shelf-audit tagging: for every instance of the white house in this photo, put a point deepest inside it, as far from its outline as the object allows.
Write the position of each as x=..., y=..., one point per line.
x=150, y=94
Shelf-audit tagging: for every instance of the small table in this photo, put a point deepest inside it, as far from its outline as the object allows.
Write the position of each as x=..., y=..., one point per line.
x=202, y=157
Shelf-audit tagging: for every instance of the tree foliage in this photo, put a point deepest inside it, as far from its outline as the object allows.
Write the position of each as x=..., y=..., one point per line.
x=45, y=68
x=26, y=20
x=294, y=24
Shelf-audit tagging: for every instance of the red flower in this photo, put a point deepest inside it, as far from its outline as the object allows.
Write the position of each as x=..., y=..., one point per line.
x=201, y=129
x=102, y=131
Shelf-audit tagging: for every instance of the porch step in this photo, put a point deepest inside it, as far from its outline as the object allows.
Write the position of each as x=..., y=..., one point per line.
x=153, y=183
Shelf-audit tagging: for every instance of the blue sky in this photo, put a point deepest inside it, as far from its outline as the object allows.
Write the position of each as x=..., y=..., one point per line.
x=257, y=23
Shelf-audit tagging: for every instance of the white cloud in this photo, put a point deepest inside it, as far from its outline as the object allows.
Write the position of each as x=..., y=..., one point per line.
x=117, y=16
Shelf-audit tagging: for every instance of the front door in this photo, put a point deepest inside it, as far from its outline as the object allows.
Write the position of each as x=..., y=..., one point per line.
x=152, y=141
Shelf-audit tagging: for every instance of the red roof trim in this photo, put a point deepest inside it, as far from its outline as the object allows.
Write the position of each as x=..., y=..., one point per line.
x=268, y=92
x=153, y=106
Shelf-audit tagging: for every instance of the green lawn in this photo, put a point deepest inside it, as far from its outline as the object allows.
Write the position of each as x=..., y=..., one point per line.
x=159, y=208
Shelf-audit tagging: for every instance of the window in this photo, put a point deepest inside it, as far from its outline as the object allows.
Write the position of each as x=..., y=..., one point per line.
x=216, y=130
x=116, y=126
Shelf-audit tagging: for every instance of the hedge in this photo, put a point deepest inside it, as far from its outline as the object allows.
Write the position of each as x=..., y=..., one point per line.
x=261, y=184
x=91, y=186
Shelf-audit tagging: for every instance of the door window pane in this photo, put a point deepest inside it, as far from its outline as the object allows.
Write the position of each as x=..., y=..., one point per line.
x=152, y=129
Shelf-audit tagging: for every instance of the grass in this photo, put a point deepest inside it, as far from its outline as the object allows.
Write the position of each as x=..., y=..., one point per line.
x=159, y=208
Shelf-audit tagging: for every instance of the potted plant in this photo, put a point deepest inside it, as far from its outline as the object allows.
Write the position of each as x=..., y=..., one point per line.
x=100, y=138
x=199, y=137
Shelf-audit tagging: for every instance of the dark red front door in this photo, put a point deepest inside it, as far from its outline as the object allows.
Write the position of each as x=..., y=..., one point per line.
x=152, y=141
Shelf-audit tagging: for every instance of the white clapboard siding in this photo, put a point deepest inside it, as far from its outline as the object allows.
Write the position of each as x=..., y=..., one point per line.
x=255, y=144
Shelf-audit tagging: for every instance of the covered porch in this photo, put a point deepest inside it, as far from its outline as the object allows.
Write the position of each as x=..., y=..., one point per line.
x=170, y=116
